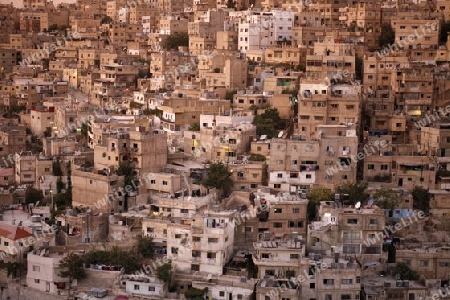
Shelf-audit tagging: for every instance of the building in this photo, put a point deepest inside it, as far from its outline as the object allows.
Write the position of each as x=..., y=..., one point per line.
x=43, y=270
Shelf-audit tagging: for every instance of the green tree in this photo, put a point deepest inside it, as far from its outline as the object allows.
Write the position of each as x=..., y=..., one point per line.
x=145, y=246
x=53, y=27
x=195, y=294
x=231, y=4
x=421, y=199
x=316, y=196
x=69, y=184
x=106, y=20
x=386, y=198
x=135, y=105
x=229, y=95
x=387, y=36
x=443, y=34
x=356, y=192
x=359, y=67
x=405, y=272
x=218, y=177
x=154, y=112
x=176, y=40
x=33, y=195
x=256, y=157
x=164, y=273
x=125, y=169
x=194, y=127
x=72, y=267
x=57, y=169
x=269, y=123
x=84, y=130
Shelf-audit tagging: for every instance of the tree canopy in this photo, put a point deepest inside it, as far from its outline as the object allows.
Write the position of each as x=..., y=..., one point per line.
x=386, y=198
x=145, y=246
x=421, y=199
x=72, y=267
x=269, y=123
x=218, y=176
x=387, y=36
x=315, y=196
x=33, y=195
x=164, y=273
x=357, y=192
x=405, y=272
x=176, y=40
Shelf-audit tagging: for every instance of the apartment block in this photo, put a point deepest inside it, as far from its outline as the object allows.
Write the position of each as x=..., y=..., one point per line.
x=202, y=245
x=145, y=150
x=348, y=229
x=97, y=189
x=325, y=104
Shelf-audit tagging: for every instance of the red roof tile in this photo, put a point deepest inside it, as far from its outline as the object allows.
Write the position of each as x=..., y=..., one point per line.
x=13, y=232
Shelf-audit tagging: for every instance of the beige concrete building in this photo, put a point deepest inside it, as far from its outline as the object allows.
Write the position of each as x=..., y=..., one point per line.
x=348, y=231
x=98, y=190
x=221, y=139
x=12, y=240
x=203, y=244
x=42, y=120
x=283, y=216
x=43, y=270
x=411, y=31
x=321, y=103
x=146, y=150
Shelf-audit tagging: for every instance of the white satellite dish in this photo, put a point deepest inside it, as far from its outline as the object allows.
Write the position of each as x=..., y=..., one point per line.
x=280, y=135
x=358, y=205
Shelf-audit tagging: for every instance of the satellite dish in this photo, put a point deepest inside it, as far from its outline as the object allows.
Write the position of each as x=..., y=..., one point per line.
x=280, y=135
x=358, y=205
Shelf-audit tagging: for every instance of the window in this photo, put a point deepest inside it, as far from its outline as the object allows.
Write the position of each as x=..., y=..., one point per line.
x=373, y=221
x=149, y=229
x=36, y=269
x=328, y=281
x=174, y=250
x=358, y=279
x=312, y=285
x=277, y=225
x=213, y=240
x=36, y=281
x=195, y=267
x=384, y=167
x=211, y=255
x=370, y=167
x=347, y=281
x=296, y=210
x=277, y=186
x=184, y=211
x=346, y=297
x=295, y=224
x=424, y=263
x=164, y=182
x=136, y=287
x=444, y=264
x=222, y=294
x=178, y=236
x=5, y=243
x=196, y=239
x=277, y=210
x=151, y=288
x=294, y=256
x=352, y=221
